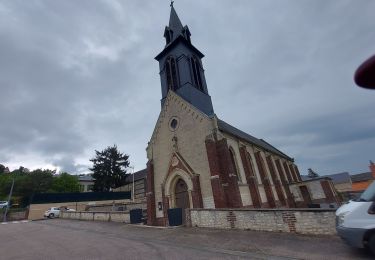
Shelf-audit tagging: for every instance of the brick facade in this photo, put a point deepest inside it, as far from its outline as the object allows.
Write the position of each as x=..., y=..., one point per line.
x=265, y=180
x=232, y=191
x=151, y=207
x=196, y=193
x=328, y=191
x=216, y=176
x=287, y=172
x=276, y=181
x=250, y=177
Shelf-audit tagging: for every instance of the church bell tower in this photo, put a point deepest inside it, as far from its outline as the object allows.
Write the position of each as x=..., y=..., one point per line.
x=181, y=68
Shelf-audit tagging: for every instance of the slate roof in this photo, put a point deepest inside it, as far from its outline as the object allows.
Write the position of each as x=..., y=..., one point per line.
x=85, y=177
x=365, y=176
x=175, y=24
x=137, y=175
x=307, y=178
x=227, y=128
x=342, y=177
x=337, y=178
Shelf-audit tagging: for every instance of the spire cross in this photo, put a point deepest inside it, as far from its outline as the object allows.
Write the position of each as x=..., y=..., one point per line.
x=171, y=5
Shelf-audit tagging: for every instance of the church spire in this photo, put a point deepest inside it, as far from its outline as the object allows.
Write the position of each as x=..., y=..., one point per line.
x=181, y=68
x=174, y=22
x=175, y=28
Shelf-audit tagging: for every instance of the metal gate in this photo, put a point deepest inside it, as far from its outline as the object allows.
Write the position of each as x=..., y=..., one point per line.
x=175, y=216
x=135, y=216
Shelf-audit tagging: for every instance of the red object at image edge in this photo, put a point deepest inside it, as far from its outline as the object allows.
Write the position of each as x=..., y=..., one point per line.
x=365, y=74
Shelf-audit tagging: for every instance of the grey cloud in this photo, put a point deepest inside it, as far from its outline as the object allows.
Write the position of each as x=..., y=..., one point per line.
x=79, y=76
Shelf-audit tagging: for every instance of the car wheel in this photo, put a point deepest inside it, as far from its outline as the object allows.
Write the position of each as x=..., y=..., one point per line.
x=51, y=215
x=371, y=243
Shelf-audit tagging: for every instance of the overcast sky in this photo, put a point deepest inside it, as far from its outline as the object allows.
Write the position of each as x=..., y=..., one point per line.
x=78, y=76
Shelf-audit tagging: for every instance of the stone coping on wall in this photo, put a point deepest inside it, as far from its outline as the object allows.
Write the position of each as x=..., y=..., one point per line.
x=266, y=209
x=109, y=212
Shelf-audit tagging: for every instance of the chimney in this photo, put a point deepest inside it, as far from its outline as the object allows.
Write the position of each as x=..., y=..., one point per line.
x=372, y=168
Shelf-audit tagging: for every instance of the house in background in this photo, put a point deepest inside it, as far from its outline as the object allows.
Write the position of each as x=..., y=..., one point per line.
x=349, y=186
x=86, y=182
x=317, y=192
x=139, y=184
x=361, y=181
x=341, y=181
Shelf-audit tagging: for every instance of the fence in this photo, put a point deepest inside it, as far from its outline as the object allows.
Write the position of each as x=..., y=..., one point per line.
x=42, y=198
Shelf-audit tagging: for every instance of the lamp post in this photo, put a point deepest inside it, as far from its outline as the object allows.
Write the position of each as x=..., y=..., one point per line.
x=7, y=207
x=132, y=167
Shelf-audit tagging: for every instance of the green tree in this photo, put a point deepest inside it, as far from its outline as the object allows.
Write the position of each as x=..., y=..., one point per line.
x=26, y=183
x=65, y=183
x=109, y=169
x=2, y=168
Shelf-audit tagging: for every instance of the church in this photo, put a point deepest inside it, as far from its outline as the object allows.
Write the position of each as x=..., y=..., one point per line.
x=197, y=160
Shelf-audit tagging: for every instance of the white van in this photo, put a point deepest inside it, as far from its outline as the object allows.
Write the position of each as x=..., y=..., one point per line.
x=355, y=221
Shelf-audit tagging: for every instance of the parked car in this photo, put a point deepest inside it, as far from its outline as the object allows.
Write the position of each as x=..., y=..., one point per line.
x=3, y=204
x=355, y=221
x=54, y=212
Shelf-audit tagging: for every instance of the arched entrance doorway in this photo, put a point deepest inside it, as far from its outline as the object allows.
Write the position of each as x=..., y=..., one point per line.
x=182, y=195
x=181, y=203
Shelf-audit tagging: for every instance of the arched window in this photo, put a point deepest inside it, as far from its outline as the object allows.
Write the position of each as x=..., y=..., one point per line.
x=234, y=162
x=196, y=73
x=171, y=70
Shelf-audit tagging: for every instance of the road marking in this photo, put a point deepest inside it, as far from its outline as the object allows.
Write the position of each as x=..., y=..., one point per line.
x=14, y=222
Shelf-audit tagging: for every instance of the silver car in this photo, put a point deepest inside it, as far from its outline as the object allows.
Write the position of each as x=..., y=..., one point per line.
x=3, y=204
x=54, y=212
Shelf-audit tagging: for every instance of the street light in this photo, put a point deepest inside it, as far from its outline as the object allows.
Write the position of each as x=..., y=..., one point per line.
x=7, y=207
x=132, y=167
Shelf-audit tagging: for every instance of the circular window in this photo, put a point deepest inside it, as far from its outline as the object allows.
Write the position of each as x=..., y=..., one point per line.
x=173, y=123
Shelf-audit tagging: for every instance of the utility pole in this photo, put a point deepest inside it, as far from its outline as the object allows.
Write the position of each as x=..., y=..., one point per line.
x=7, y=207
x=132, y=167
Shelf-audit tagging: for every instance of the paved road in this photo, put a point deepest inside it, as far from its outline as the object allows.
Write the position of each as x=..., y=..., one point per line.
x=69, y=239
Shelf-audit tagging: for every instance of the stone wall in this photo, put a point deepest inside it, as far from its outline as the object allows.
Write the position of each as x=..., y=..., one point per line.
x=37, y=210
x=123, y=217
x=12, y=216
x=302, y=221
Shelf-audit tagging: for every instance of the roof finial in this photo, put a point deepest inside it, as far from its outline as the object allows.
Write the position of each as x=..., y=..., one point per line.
x=171, y=5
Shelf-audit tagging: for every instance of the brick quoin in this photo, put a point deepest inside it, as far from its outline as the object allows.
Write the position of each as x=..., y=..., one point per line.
x=290, y=219
x=231, y=218
x=196, y=194
x=232, y=191
x=276, y=181
x=265, y=180
x=297, y=172
x=289, y=197
x=294, y=174
x=151, y=207
x=216, y=181
x=250, y=177
x=372, y=168
x=287, y=172
x=328, y=191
